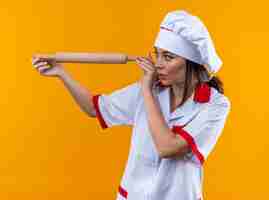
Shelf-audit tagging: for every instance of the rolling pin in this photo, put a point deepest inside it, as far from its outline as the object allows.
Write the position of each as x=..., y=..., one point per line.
x=102, y=58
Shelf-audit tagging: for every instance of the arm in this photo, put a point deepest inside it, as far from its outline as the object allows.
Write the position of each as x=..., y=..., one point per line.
x=167, y=143
x=81, y=95
x=51, y=68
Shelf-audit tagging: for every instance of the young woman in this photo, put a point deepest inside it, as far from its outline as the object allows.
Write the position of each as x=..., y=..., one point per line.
x=177, y=110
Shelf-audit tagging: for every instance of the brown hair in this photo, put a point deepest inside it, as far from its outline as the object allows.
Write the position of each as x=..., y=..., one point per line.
x=202, y=75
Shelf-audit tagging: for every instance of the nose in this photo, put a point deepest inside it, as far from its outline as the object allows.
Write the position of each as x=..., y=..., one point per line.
x=159, y=65
x=160, y=62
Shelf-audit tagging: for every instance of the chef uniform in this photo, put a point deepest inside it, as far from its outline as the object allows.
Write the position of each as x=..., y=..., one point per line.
x=199, y=120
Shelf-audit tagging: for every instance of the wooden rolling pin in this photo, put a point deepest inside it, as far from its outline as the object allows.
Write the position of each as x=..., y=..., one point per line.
x=103, y=58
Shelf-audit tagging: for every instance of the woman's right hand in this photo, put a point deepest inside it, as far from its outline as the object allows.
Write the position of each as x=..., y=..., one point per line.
x=47, y=67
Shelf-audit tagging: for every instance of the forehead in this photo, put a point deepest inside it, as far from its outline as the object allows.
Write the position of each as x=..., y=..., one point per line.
x=164, y=51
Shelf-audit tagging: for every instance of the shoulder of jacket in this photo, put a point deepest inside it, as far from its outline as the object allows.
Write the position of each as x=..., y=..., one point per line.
x=220, y=99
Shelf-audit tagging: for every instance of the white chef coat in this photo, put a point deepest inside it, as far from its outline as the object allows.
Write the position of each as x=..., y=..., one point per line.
x=147, y=176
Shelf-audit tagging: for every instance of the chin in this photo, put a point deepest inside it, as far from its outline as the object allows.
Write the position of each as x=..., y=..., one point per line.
x=165, y=83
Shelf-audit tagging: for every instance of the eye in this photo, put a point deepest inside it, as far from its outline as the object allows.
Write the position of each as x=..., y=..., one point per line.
x=168, y=57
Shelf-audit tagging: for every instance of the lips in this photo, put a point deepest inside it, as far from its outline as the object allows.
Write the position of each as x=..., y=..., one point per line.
x=161, y=76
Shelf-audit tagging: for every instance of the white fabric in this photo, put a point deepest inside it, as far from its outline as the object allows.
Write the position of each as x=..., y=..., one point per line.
x=170, y=41
x=187, y=36
x=147, y=176
x=206, y=127
x=118, y=108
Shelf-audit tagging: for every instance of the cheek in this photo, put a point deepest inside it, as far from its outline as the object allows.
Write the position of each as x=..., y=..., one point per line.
x=177, y=73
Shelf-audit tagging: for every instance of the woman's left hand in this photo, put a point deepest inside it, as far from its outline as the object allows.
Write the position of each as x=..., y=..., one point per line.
x=150, y=74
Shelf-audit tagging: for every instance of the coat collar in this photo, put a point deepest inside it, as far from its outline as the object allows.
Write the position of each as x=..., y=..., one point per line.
x=201, y=95
x=202, y=92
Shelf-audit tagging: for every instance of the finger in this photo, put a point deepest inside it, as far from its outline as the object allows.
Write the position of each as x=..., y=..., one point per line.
x=40, y=64
x=42, y=69
x=145, y=68
x=146, y=60
x=34, y=59
x=40, y=58
x=148, y=66
x=140, y=62
x=37, y=60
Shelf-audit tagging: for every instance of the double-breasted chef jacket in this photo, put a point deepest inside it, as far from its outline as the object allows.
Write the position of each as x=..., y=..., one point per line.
x=147, y=176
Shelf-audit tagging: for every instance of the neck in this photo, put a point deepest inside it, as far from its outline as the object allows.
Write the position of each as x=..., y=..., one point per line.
x=177, y=91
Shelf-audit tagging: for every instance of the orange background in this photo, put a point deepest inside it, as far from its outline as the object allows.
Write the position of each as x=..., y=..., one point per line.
x=50, y=149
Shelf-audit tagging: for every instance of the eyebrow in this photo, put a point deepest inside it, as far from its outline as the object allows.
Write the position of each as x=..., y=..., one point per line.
x=164, y=52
